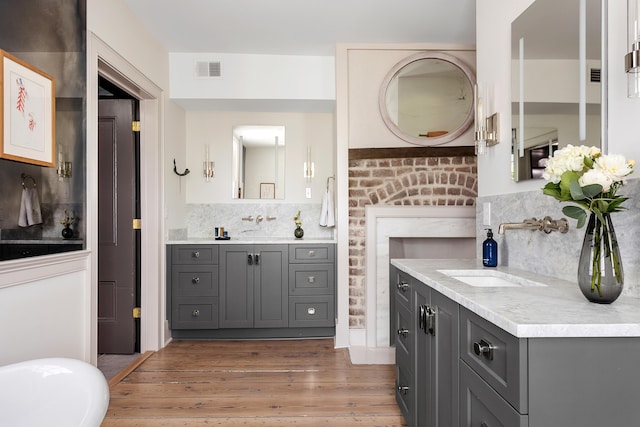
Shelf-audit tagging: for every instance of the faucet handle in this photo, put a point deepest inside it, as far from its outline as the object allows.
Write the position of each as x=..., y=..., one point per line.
x=248, y=218
x=259, y=219
x=549, y=225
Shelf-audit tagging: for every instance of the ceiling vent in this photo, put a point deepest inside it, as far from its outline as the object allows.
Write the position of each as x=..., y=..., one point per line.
x=594, y=75
x=208, y=69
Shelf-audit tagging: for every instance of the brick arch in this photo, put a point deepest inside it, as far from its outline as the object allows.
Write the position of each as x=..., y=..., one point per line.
x=427, y=181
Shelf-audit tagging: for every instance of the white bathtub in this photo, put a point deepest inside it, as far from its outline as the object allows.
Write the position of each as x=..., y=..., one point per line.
x=52, y=392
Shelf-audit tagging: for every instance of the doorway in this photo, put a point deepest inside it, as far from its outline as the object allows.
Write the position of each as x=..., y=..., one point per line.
x=119, y=249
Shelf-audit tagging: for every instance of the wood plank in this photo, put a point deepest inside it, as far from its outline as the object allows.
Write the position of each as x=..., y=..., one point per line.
x=254, y=383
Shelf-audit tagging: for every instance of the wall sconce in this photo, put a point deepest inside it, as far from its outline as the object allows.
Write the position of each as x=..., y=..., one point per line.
x=486, y=128
x=208, y=167
x=309, y=171
x=64, y=168
x=632, y=59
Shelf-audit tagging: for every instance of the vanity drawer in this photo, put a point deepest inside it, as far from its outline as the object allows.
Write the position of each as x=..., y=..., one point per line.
x=404, y=334
x=194, y=254
x=403, y=288
x=195, y=313
x=405, y=394
x=311, y=311
x=480, y=405
x=311, y=279
x=311, y=253
x=498, y=357
x=194, y=280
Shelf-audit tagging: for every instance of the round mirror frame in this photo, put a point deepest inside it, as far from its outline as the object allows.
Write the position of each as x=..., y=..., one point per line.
x=382, y=99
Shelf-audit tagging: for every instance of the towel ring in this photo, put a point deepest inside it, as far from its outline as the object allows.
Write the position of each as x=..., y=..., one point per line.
x=329, y=178
x=25, y=177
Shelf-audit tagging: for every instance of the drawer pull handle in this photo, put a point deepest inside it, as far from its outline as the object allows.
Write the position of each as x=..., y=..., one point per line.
x=311, y=310
x=195, y=313
x=483, y=348
x=404, y=332
x=403, y=286
x=195, y=280
x=311, y=279
x=195, y=254
x=403, y=389
x=312, y=253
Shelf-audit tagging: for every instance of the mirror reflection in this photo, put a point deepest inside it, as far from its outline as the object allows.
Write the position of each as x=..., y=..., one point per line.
x=556, y=64
x=427, y=99
x=258, y=162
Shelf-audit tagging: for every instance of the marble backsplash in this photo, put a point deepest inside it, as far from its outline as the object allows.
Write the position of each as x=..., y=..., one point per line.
x=277, y=221
x=556, y=254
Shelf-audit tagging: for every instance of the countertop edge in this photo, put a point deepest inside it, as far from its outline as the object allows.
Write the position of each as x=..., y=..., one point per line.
x=518, y=310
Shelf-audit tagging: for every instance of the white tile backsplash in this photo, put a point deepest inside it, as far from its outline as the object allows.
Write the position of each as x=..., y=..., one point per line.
x=203, y=218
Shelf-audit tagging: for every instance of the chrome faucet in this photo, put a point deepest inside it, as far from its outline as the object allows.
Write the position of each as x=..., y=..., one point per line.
x=546, y=224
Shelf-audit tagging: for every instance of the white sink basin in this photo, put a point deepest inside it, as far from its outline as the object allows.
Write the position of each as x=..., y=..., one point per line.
x=490, y=279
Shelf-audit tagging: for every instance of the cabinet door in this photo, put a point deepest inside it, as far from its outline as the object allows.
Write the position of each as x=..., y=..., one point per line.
x=236, y=286
x=423, y=358
x=271, y=280
x=444, y=355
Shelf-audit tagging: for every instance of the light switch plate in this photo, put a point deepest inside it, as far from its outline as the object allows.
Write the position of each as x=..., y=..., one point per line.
x=486, y=213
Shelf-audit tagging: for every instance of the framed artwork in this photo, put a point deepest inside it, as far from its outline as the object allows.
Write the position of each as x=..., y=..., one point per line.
x=267, y=190
x=27, y=112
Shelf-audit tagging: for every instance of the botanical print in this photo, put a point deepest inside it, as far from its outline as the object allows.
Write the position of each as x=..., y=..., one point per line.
x=28, y=97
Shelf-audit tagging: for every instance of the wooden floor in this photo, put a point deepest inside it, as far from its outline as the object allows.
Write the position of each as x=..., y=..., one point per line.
x=254, y=383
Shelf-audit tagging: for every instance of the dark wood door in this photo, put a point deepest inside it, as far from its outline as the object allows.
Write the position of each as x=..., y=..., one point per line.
x=116, y=237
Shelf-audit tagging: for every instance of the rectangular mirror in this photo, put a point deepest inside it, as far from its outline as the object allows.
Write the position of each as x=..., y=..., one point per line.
x=557, y=62
x=258, y=162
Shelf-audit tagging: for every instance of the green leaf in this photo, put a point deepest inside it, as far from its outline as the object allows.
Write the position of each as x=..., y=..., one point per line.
x=588, y=162
x=574, y=212
x=565, y=184
x=576, y=191
x=592, y=190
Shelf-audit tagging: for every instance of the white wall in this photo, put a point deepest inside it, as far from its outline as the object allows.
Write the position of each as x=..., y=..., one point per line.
x=368, y=65
x=301, y=130
x=493, y=23
x=247, y=76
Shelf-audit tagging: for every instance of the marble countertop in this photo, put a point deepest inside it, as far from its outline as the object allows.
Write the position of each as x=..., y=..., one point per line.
x=556, y=310
x=250, y=240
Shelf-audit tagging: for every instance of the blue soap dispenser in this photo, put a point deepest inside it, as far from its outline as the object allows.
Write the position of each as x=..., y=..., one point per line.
x=490, y=250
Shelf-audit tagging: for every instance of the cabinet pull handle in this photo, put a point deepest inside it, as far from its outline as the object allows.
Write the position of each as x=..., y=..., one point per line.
x=257, y=259
x=484, y=424
x=195, y=280
x=403, y=286
x=403, y=331
x=250, y=259
x=311, y=279
x=312, y=253
x=311, y=310
x=484, y=348
x=195, y=254
x=195, y=313
x=430, y=323
x=403, y=389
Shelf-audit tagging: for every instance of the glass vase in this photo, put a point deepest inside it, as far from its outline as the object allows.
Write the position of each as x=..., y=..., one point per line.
x=600, y=274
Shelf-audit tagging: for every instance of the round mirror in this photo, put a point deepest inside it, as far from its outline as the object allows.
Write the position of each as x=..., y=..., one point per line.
x=427, y=99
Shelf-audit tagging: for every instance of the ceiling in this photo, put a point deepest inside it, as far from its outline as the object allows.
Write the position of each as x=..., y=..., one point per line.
x=302, y=27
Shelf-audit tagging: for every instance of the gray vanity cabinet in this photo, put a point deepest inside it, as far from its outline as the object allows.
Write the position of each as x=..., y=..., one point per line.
x=193, y=287
x=254, y=286
x=311, y=285
x=427, y=351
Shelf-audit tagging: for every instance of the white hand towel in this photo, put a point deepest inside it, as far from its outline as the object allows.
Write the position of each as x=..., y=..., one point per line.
x=327, y=217
x=30, y=213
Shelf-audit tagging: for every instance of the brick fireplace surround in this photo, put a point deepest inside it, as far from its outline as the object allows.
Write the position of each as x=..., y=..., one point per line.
x=416, y=176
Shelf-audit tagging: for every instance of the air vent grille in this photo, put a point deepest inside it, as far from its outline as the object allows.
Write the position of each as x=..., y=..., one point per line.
x=208, y=69
x=595, y=75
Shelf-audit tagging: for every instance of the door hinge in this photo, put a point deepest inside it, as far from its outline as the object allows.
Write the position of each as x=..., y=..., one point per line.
x=135, y=126
x=137, y=224
x=136, y=312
